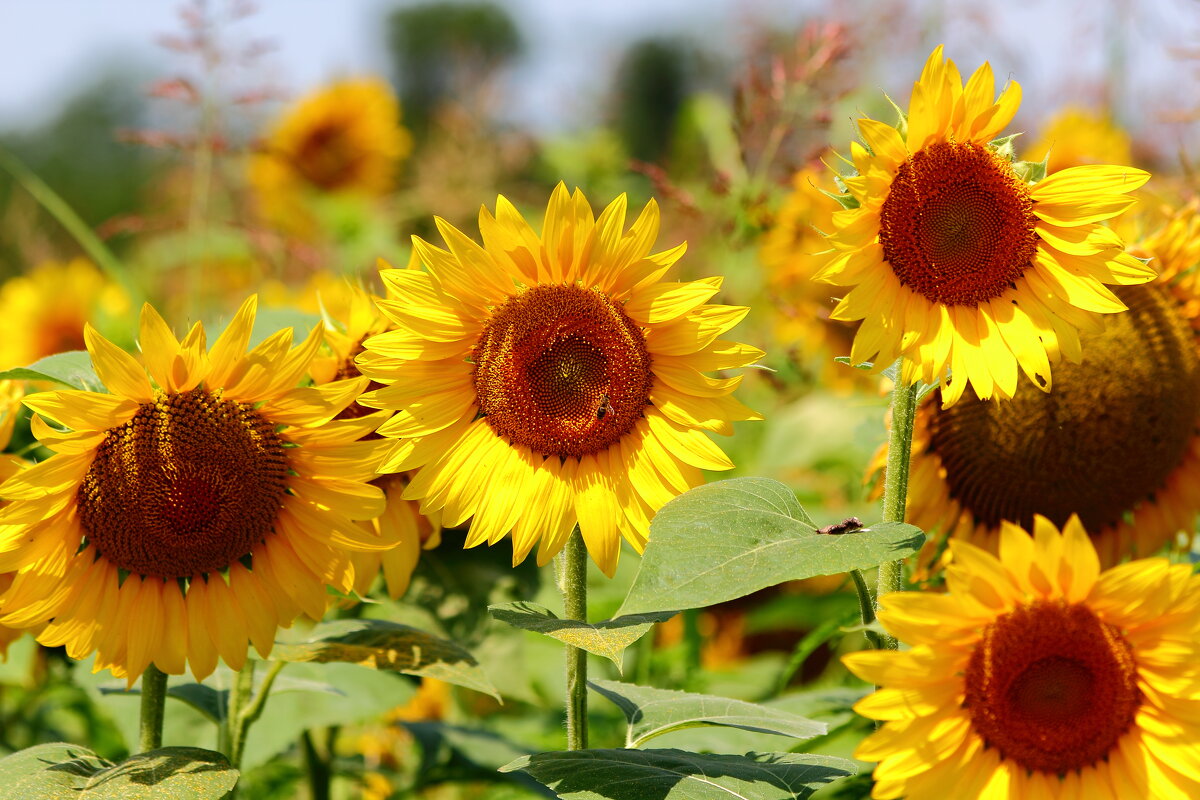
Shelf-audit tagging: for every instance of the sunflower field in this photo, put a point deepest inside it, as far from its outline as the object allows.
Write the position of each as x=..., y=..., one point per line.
x=815, y=419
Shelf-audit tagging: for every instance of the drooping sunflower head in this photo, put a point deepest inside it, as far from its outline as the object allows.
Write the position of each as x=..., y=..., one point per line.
x=966, y=263
x=1038, y=675
x=1116, y=442
x=207, y=500
x=553, y=378
x=43, y=311
x=345, y=138
x=1076, y=136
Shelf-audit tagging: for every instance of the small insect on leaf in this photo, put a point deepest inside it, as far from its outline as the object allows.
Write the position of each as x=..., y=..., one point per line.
x=845, y=526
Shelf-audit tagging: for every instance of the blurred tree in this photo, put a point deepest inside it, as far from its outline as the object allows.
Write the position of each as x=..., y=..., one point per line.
x=653, y=80
x=444, y=51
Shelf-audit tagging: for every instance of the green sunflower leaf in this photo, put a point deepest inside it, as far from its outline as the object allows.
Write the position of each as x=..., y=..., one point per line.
x=608, y=638
x=389, y=646
x=72, y=369
x=652, y=712
x=680, y=775
x=727, y=539
x=57, y=770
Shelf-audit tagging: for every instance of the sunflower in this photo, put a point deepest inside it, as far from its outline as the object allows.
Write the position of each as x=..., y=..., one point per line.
x=554, y=379
x=176, y=523
x=1038, y=676
x=960, y=263
x=801, y=306
x=1076, y=136
x=1117, y=442
x=43, y=312
x=343, y=139
x=401, y=522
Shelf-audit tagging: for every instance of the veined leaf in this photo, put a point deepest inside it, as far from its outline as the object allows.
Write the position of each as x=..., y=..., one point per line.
x=727, y=539
x=72, y=368
x=680, y=775
x=389, y=646
x=608, y=638
x=652, y=712
x=58, y=770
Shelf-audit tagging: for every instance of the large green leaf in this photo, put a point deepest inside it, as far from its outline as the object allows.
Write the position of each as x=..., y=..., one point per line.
x=652, y=712
x=59, y=770
x=680, y=775
x=730, y=538
x=608, y=638
x=73, y=369
x=389, y=646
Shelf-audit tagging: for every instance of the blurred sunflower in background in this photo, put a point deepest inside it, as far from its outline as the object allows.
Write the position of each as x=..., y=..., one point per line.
x=181, y=520
x=345, y=139
x=1077, y=136
x=43, y=311
x=958, y=260
x=788, y=253
x=401, y=521
x=554, y=379
x=1038, y=676
x=1116, y=442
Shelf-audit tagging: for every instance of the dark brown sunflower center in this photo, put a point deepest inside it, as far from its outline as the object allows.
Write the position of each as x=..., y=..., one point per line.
x=957, y=226
x=327, y=158
x=562, y=370
x=189, y=485
x=1052, y=687
x=1106, y=438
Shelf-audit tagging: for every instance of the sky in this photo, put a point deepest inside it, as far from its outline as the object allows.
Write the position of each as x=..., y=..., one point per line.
x=1059, y=49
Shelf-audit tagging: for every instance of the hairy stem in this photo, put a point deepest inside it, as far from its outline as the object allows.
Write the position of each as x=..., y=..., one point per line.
x=572, y=582
x=895, y=479
x=154, y=701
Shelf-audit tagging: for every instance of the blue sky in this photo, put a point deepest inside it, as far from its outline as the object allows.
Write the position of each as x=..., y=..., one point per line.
x=1056, y=48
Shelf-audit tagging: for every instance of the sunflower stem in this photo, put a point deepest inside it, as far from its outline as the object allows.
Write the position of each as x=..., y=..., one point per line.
x=895, y=479
x=239, y=697
x=572, y=582
x=154, y=702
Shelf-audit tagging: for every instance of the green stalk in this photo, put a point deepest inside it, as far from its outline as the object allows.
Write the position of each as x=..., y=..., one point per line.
x=572, y=582
x=62, y=212
x=866, y=605
x=895, y=479
x=250, y=711
x=154, y=701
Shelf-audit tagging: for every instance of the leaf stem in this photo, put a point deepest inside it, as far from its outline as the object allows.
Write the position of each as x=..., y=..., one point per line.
x=239, y=702
x=572, y=582
x=154, y=701
x=895, y=478
x=866, y=605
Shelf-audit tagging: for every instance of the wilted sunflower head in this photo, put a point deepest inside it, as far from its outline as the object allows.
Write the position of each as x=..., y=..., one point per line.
x=964, y=262
x=544, y=380
x=1038, y=675
x=205, y=501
